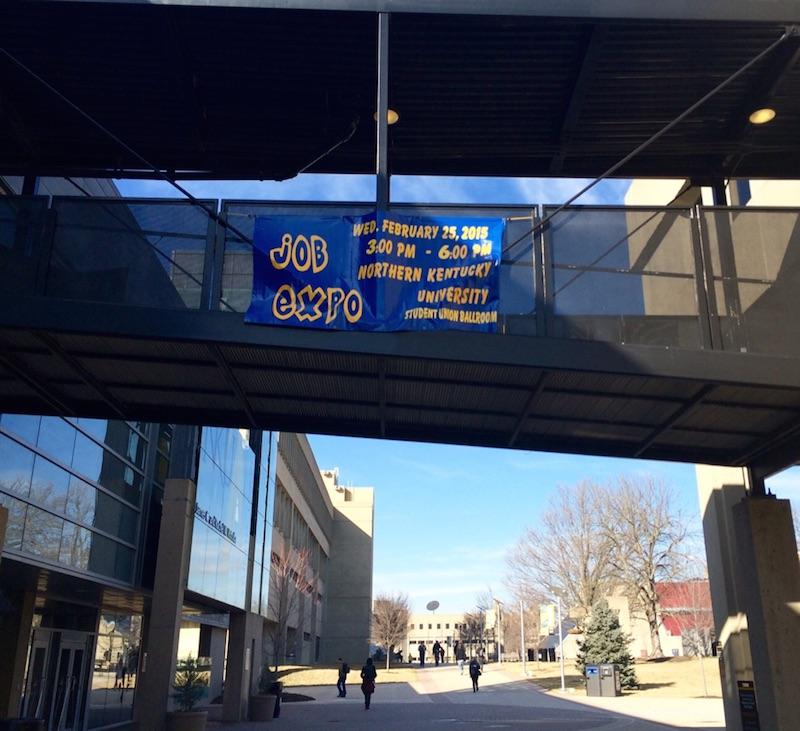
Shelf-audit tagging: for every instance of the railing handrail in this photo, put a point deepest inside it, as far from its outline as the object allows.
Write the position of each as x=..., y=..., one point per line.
x=535, y=300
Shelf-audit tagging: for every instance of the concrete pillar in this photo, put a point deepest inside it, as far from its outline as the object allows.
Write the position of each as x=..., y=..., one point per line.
x=3, y=524
x=15, y=630
x=157, y=670
x=770, y=571
x=216, y=651
x=755, y=592
x=242, y=669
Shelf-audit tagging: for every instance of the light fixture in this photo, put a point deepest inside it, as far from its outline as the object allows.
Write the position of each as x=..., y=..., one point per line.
x=762, y=116
x=391, y=116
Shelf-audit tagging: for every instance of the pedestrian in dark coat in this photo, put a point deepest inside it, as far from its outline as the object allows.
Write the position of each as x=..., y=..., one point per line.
x=474, y=673
x=368, y=675
x=436, y=650
x=422, y=651
x=461, y=656
x=341, y=686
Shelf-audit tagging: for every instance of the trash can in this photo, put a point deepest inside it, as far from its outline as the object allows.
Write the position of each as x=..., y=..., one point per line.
x=593, y=681
x=610, y=686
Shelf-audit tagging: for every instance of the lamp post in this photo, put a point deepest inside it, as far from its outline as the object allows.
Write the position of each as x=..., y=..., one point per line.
x=523, y=653
x=560, y=641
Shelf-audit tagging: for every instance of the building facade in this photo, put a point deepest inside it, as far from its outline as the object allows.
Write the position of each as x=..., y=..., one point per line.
x=478, y=631
x=88, y=539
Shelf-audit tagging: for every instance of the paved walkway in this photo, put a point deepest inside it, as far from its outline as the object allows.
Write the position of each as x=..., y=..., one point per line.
x=440, y=697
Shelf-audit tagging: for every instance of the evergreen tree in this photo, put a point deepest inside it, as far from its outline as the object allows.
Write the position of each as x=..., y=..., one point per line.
x=605, y=642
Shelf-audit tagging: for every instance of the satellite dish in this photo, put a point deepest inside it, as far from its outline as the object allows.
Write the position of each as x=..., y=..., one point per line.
x=432, y=606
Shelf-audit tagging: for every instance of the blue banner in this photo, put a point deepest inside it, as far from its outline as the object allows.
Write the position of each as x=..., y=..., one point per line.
x=378, y=272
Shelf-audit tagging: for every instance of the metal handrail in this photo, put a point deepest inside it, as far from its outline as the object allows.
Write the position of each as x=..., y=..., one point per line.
x=703, y=272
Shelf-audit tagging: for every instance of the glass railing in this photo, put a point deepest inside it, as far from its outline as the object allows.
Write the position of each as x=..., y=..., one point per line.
x=695, y=278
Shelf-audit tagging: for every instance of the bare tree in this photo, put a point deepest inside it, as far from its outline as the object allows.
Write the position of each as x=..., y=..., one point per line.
x=512, y=627
x=288, y=580
x=644, y=532
x=390, y=613
x=567, y=554
x=472, y=629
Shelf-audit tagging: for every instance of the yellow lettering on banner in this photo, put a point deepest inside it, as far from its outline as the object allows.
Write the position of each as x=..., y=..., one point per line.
x=456, y=295
x=335, y=298
x=302, y=252
x=283, y=303
x=444, y=274
x=409, y=251
x=313, y=303
x=365, y=227
x=387, y=270
x=411, y=230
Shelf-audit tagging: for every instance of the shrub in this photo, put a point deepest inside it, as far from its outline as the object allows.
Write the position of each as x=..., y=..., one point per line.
x=605, y=642
x=189, y=685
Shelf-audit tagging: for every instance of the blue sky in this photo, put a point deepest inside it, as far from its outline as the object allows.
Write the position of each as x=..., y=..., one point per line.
x=445, y=515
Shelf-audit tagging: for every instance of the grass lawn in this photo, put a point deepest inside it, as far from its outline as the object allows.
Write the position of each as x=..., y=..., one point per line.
x=298, y=675
x=675, y=676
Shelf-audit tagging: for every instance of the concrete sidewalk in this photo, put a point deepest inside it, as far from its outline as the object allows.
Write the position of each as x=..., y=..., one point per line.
x=505, y=700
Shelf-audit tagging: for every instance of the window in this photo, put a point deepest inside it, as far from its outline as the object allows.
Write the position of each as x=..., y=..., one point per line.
x=116, y=664
x=17, y=465
x=447, y=626
x=438, y=626
x=421, y=627
x=430, y=626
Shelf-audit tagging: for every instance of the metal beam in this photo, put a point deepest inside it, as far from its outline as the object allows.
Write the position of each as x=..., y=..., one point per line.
x=526, y=409
x=381, y=120
x=191, y=326
x=75, y=365
x=685, y=410
x=46, y=393
x=382, y=394
x=231, y=380
x=585, y=74
x=708, y=10
x=778, y=450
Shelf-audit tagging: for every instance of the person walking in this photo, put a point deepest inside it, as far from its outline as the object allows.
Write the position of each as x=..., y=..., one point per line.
x=421, y=649
x=474, y=673
x=436, y=649
x=461, y=657
x=368, y=675
x=341, y=686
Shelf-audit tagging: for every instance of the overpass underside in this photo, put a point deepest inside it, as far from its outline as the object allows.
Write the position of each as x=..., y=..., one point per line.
x=133, y=309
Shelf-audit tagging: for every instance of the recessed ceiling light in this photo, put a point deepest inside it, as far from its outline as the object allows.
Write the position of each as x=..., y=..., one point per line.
x=391, y=116
x=762, y=116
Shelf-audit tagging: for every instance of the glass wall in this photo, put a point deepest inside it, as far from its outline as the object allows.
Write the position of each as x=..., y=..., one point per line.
x=116, y=662
x=73, y=488
x=220, y=541
x=266, y=499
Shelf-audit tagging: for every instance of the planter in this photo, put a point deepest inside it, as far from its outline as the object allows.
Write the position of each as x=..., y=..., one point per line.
x=262, y=707
x=186, y=720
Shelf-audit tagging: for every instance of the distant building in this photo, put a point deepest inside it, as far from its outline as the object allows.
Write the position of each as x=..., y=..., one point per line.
x=685, y=623
x=429, y=627
x=348, y=620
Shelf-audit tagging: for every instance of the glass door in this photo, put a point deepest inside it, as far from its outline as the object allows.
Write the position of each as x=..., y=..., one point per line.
x=69, y=685
x=36, y=680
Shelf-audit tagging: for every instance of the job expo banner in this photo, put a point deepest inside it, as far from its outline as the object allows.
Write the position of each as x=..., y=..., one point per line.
x=377, y=272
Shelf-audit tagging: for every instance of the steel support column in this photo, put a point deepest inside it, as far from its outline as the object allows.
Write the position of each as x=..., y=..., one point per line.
x=382, y=121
